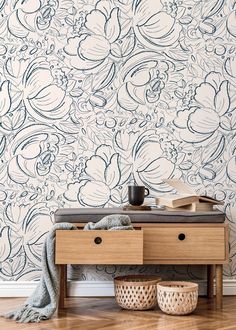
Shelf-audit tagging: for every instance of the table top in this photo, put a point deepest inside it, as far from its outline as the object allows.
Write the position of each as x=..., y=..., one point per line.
x=83, y=215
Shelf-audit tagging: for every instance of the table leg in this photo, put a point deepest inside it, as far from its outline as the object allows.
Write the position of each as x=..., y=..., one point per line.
x=63, y=284
x=219, y=286
x=210, y=281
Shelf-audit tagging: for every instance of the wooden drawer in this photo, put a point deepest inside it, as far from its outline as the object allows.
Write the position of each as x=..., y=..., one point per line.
x=99, y=247
x=185, y=244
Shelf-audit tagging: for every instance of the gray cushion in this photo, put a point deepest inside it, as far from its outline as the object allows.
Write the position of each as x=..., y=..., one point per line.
x=84, y=215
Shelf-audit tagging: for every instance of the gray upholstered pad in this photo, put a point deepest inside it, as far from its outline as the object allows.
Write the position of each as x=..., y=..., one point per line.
x=84, y=215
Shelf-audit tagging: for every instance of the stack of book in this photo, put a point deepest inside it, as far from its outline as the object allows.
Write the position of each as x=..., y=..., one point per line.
x=186, y=199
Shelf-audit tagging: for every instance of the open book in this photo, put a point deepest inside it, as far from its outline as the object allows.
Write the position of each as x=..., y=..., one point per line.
x=186, y=198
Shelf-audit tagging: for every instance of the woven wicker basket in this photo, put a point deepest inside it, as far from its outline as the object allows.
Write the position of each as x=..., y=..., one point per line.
x=136, y=292
x=177, y=298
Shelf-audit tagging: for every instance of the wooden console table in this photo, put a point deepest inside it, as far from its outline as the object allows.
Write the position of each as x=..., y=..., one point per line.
x=183, y=243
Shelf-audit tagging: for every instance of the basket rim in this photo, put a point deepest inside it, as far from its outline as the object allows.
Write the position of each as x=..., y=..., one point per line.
x=168, y=286
x=137, y=280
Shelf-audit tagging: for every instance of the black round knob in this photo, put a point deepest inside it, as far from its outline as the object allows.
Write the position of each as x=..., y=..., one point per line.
x=97, y=240
x=181, y=237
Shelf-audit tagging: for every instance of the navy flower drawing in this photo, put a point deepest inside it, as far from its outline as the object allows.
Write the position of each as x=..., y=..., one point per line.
x=212, y=113
x=94, y=46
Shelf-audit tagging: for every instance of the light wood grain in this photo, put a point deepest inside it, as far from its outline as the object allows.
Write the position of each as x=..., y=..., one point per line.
x=210, y=280
x=116, y=247
x=104, y=314
x=201, y=245
x=219, y=286
x=63, y=285
x=150, y=243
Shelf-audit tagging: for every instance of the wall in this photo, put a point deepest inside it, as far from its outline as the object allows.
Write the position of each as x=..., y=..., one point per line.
x=98, y=94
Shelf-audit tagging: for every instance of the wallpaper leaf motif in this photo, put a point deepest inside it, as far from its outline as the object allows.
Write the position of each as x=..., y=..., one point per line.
x=95, y=95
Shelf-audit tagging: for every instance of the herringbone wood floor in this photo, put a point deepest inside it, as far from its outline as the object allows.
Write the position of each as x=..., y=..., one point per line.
x=104, y=314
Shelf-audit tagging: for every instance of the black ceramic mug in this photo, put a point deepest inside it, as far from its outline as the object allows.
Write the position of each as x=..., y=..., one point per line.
x=136, y=195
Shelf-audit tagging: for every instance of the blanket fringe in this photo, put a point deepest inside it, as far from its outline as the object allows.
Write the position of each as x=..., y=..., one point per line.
x=26, y=314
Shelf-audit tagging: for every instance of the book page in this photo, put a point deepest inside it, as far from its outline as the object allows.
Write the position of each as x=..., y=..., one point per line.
x=181, y=187
x=210, y=200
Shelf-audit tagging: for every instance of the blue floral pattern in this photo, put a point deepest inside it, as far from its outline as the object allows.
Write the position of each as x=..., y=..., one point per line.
x=98, y=94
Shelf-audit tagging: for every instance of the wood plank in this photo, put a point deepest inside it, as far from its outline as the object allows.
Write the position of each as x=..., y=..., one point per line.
x=185, y=244
x=99, y=247
x=104, y=314
x=219, y=286
x=210, y=280
x=63, y=285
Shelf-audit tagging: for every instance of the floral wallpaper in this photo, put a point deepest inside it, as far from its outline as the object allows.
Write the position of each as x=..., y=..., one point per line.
x=95, y=95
